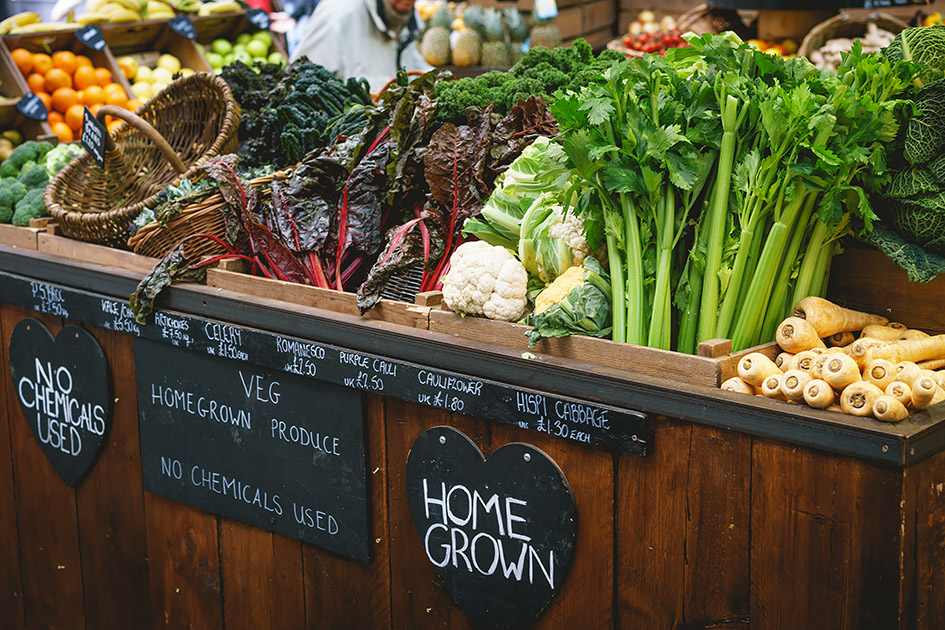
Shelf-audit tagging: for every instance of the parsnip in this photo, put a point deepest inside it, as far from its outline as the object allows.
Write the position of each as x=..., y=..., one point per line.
x=771, y=387
x=736, y=384
x=804, y=361
x=859, y=351
x=913, y=334
x=793, y=383
x=900, y=391
x=828, y=319
x=888, y=409
x=912, y=350
x=907, y=372
x=783, y=361
x=840, y=371
x=819, y=394
x=937, y=364
x=884, y=333
x=755, y=367
x=796, y=335
x=926, y=392
x=840, y=339
x=880, y=373
x=857, y=398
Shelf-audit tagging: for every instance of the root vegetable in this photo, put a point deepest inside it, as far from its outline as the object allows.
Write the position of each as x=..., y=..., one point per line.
x=819, y=394
x=910, y=334
x=828, y=319
x=755, y=367
x=804, y=361
x=884, y=333
x=937, y=364
x=836, y=408
x=771, y=387
x=793, y=383
x=926, y=392
x=857, y=398
x=880, y=373
x=783, y=361
x=900, y=391
x=888, y=409
x=797, y=335
x=817, y=367
x=736, y=384
x=859, y=350
x=913, y=350
x=841, y=339
x=898, y=325
x=907, y=372
x=841, y=371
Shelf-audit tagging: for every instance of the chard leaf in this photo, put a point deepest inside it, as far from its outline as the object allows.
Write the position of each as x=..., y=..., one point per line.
x=175, y=265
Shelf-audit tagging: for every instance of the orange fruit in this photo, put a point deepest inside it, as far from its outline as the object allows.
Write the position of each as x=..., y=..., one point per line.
x=64, y=98
x=42, y=63
x=65, y=60
x=94, y=108
x=81, y=61
x=63, y=132
x=114, y=97
x=93, y=95
x=103, y=76
x=113, y=125
x=46, y=99
x=37, y=83
x=84, y=77
x=23, y=60
x=74, y=117
x=133, y=105
x=55, y=117
x=57, y=78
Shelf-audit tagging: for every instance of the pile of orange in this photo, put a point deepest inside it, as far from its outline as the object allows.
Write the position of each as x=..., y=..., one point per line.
x=67, y=83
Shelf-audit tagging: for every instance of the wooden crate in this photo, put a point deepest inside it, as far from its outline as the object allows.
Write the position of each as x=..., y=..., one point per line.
x=49, y=42
x=22, y=237
x=228, y=26
x=145, y=41
x=51, y=243
x=13, y=85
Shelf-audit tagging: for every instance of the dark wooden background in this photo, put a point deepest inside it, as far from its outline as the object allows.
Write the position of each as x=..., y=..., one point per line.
x=713, y=530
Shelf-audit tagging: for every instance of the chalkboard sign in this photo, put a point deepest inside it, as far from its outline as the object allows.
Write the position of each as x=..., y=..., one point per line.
x=63, y=387
x=91, y=36
x=273, y=450
x=32, y=107
x=499, y=532
x=183, y=26
x=259, y=19
x=94, y=137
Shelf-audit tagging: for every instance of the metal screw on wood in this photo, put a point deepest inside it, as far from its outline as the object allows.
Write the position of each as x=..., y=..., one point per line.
x=527, y=457
x=442, y=439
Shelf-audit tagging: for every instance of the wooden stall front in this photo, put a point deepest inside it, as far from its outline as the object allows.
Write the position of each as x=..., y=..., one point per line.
x=741, y=514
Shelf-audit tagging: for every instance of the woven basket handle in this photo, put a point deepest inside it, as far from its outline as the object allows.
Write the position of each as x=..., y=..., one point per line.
x=144, y=127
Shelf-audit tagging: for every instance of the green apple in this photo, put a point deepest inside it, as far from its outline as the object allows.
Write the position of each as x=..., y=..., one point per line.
x=215, y=60
x=263, y=36
x=243, y=56
x=221, y=46
x=243, y=38
x=257, y=48
x=227, y=59
x=277, y=57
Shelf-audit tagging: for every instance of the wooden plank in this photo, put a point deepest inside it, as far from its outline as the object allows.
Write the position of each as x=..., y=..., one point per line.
x=110, y=504
x=600, y=15
x=651, y=530
x=50, y=561
x=825, y=540
x=418, y=599
x=599, y=38
x=718, y=524
x=22, y=237
x=262, y=578
x=306, y=295
x=183, y=553
x=587, y=599
x=343, y=593
x=97, y=254
x=11, y=583
x=930, y=543
x=888, y=291
x=570, y=22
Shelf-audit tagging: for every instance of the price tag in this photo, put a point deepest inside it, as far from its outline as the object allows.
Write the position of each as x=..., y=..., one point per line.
x=31, y=107
x=258, y=18
x=91, y=36
x=183, y=26
x=94, y=136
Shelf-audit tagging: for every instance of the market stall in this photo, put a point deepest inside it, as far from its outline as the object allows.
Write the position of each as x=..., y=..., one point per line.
x=647, y=337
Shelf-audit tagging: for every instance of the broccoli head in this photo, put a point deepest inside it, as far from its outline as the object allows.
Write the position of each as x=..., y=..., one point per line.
x=29, y=151
x=34, y=176
x=31, y=206
x=11, y=191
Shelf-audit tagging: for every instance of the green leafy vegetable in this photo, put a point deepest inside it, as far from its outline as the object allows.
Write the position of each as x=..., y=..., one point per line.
x=577, y=302
x=920, y=265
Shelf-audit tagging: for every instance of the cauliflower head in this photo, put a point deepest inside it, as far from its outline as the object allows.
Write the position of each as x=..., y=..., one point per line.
x=570, y=229
x=486, y=280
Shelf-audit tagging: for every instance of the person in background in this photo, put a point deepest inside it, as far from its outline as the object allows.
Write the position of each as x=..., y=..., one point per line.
x=362, y=38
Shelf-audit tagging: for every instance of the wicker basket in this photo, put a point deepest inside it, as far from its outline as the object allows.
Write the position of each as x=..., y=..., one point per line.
x=205, y=217
x=193, y=119
x=847, y=25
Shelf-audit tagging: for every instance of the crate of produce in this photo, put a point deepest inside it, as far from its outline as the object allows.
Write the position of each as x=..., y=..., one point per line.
x=150, y=55
x=222, y=38
x=12, y=88
x=68, y=75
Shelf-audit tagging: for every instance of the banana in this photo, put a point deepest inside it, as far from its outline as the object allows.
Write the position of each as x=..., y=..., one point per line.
x=95, y=6
x=20, y=19
x=42, y=27
x=160, y=15
x=226, y=6
x=91, y=17
x=123, y=15
x=130, y=5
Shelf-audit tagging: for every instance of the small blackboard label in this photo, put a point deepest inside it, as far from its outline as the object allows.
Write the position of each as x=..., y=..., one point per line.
x=183, y=26
x=94, y=137
x=270, y=449
x=259, y=19
x=500, y=531
x=91, y=36
x=63, y=388
x=32, y=107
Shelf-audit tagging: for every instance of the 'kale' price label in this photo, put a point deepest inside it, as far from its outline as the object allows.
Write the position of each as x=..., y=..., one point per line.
x=91, y=36
x=32, y=107
x=259, y=19
x=94, y=136
x=183, y=26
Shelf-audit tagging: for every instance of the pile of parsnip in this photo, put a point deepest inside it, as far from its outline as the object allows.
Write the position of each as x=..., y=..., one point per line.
x=887, y=371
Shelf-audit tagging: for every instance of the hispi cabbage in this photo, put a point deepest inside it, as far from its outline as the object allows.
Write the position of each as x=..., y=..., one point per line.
x=577, y=302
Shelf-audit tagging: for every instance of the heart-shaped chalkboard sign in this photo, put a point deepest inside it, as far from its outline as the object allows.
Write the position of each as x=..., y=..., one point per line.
x=499, y=532
x=64, y=390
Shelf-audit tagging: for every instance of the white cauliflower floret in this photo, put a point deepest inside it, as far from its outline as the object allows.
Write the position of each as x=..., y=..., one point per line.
x=486, y=280
x=570, y=229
